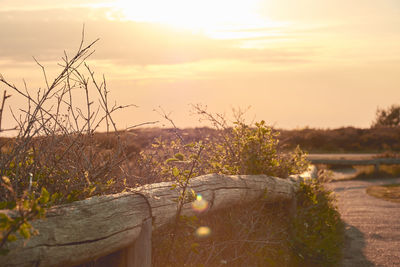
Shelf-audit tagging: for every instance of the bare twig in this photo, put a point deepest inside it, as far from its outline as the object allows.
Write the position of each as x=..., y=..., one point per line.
x=5, y=96
x=167, y=117
x=55, y=147
x=142, y=124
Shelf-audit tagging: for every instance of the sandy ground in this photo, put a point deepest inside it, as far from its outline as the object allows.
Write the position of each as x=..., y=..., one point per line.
x=372, y=224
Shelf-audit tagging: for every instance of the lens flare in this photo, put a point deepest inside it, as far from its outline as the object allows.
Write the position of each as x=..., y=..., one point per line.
x=203, y=231
x=199, y=204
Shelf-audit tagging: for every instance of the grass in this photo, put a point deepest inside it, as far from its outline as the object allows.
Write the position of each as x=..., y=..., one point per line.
x=390, y=192
x=344, y=140
x=361, y=172
x=385, y=171
x=258, y=234
x=255, y=235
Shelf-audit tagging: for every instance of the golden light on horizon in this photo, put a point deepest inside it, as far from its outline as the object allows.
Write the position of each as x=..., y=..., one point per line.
x=287, y=59
x=206, y=16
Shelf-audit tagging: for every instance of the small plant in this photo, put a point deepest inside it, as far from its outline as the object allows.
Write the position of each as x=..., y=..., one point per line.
x=317, y=230
x=249, y=149
x=389, y=192
x=183, y=169
x=22, y=210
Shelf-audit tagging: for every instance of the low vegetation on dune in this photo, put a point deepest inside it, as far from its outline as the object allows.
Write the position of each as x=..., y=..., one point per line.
x=383, y=136
x=57, y=156
x=385, y=171
x=382, y=140
x=363, y=172
x=389, y=192
x=344, y=140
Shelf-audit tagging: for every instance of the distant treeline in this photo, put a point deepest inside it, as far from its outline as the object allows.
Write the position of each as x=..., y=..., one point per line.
x=348, y=139
x=342, y=140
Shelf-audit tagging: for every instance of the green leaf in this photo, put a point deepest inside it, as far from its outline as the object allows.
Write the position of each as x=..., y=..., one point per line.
x=171, y=160
x=4, y=218
x=91, y=190
x=194, y=195
x=194, y=157
x=175, y=171
x=44, y=196
x=11, y=238
x=179, y=156
x=191, y=145
x=24, y=230
x=25, y=204
x=10, y=205
x=56, y=196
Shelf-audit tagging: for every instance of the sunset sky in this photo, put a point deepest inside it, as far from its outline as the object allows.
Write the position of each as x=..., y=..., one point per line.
x=297, y=63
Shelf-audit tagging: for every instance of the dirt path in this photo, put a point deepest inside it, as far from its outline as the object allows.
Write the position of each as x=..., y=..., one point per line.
x=372, y=225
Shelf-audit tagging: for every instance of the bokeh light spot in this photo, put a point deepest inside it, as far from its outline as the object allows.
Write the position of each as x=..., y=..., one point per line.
x=199, y=204
x=203, y=231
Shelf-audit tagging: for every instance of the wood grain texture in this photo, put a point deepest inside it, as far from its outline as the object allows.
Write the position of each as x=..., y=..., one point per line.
x=141, y=254
x=86, y=230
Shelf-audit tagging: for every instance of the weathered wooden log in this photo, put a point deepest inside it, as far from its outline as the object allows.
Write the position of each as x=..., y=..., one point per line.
x=140, y=256
x=81, y=231
x=86, y=230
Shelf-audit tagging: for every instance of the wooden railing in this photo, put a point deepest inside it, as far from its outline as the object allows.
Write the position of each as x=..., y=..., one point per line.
x=86, y=230
x=351, y=162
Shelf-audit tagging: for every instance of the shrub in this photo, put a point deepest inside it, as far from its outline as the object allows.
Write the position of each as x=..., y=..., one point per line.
x=249, y=149
x=254, y=150
x=317, y=235
x=389, y=117
x=347, y=139
x=54, y=157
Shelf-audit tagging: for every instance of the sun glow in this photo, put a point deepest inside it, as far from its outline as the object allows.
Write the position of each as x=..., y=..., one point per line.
x=205, y=15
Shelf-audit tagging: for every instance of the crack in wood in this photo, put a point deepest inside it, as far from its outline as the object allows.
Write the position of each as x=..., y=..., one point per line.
x=87, y=241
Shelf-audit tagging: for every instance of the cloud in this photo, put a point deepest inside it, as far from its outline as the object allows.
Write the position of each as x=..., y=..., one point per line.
x=21, y=5
x=339, y=10
x=46, y=33
x=42, y=33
